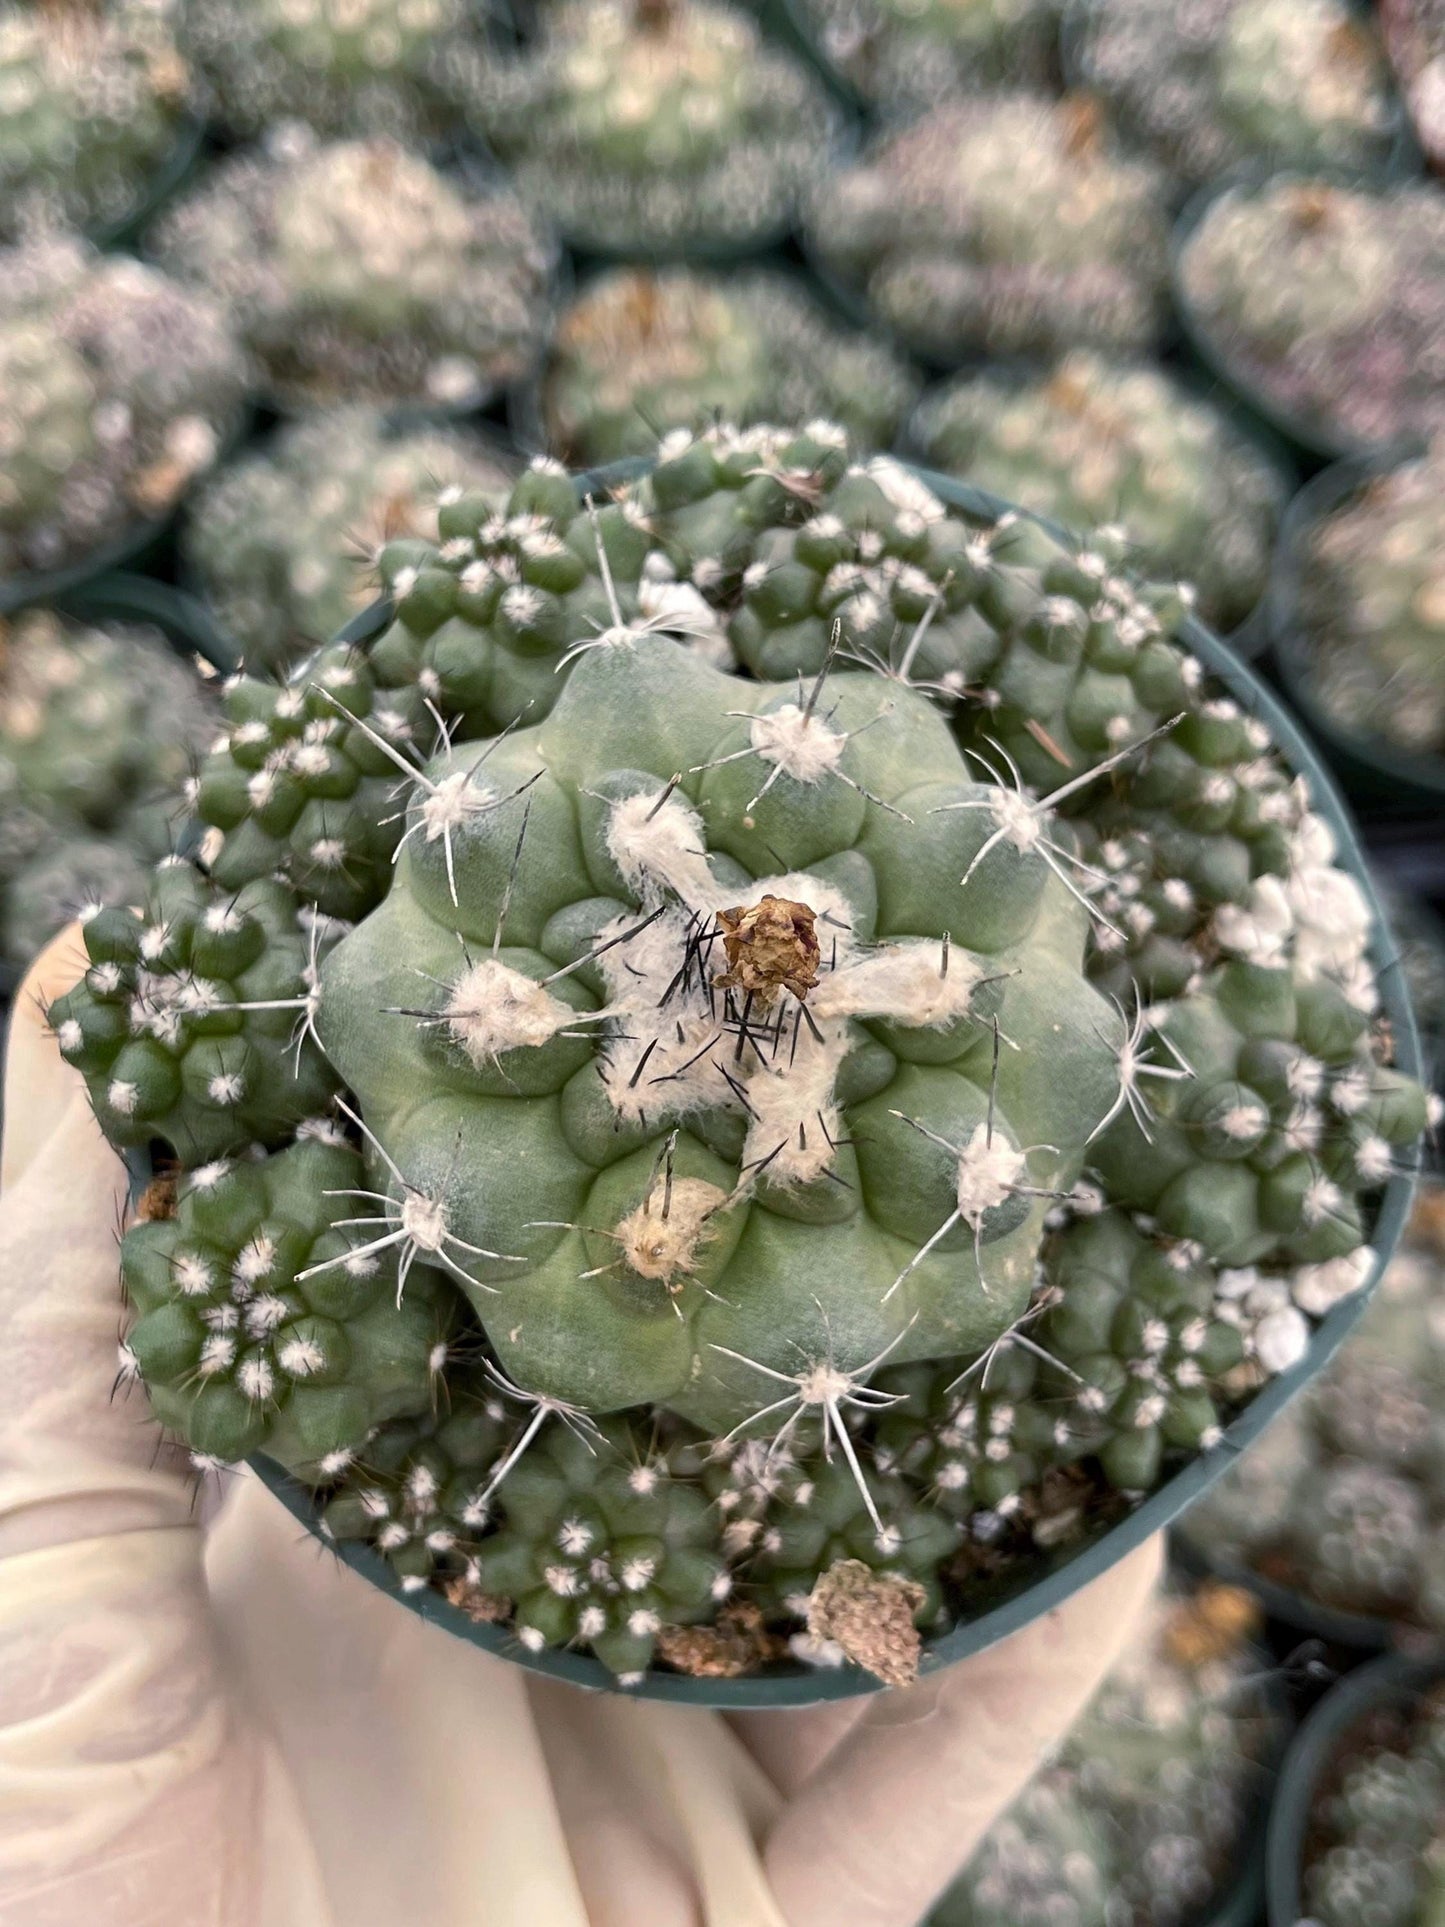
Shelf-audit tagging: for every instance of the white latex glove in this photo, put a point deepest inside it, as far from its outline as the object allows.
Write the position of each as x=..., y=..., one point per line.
x=227, y=1728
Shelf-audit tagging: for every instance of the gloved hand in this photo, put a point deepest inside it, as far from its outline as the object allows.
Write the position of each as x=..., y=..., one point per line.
x=224, y=1727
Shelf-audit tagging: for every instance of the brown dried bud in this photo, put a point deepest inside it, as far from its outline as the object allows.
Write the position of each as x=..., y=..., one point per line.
x=771, y=947
x=870, y=1615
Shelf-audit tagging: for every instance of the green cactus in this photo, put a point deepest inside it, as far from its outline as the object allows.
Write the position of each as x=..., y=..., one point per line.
x=284, y=543
x=902, y=58
x=1087, y=442
x=1327, y=300
x=343, y=66
x=95, y=99
x=1375, y=1852
x=653, y=124
x=1344, y=1500
x=1141, y=1820
x=98, y=729
x=258, y=1324
x=641, y=352
x=1010, y=224
x=194, y=1020
x=1372, y=607
x=117, y=388
x=752, y=1061
x=1279, y=83
x=359, y=272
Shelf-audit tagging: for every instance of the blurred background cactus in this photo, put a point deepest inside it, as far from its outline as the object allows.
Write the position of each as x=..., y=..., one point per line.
x=117, y=390
x=99, y=726
x=641, y=352
x=388, y=67
x=357, y=271
x=93, y=99
x=1145, y=1817
x=649, y=125
x=1008, y=224
x=1089, y=441
x=1211, y=84
x=1415, y=36
x=284, y=543
x=903, y=56
x=1329, y=301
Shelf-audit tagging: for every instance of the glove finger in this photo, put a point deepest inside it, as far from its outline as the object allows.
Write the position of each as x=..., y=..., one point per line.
x=896, y=1810
x=39, y=1084
x=791, y=1746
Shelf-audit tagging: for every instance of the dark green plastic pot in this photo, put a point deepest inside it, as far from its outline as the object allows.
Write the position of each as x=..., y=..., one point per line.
x=1315, y=439
x=1047, y=1581
x=1250, y=636
x=1386, y=1682
x=1356, y=1632
x=1377, y=774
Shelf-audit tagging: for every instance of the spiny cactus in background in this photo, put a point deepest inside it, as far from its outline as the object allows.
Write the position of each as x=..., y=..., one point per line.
x=94, y=99
x=284, y=543
x=749, y=1056
x=1343, y=1501
x=98, y=729
x=1375, y=1849
x=1286, y=83
x=1089, y=441
x=1010, y=224
x=1142, y=1819
x=1415, y=41
x=652, y=124
x=642, y=352
x=1329, y=301
x=117, y=388
x=343, y=66
x=1372, y=607
x=357, y=271
x=902, y=58
x=258, y=1325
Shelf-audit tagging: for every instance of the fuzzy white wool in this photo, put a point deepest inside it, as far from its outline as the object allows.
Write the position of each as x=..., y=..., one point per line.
x=661, y=848
x=903, y=489
x=800, y=744
x=1317, y=1289
x=493, y=1008
x=1281, y=1339
x=903, y=981
x=794, y=1115
x=988, y=1173
x=1259, y=930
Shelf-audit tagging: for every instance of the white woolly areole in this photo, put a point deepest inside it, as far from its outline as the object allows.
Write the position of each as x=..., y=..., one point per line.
x=661, y=1238
x=988, y=1174
x=493, y=1008
x=452, y=801
x=661, y=847
x=799, y=743
x=903, y=981
x=424, y=1220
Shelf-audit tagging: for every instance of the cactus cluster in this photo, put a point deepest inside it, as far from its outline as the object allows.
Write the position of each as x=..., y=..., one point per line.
x=640, y=352
x=92, y=101
x=117, y=389
x=358, y=271
x=1220, y=83
x=1141, y=1821
x=284, y=542
x=904, y=56
x=646, y=125
x=1343, y=1501
x=1009, y=224
x=759, y=1055
x=1371, y=605
x=343, y=66
x=1375, y=1853
x=97, y=730
x=1327, y=301
x=1087, y=441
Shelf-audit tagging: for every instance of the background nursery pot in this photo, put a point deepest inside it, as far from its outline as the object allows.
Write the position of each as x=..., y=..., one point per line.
x=1391, y=1681
x=1036, y=1585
